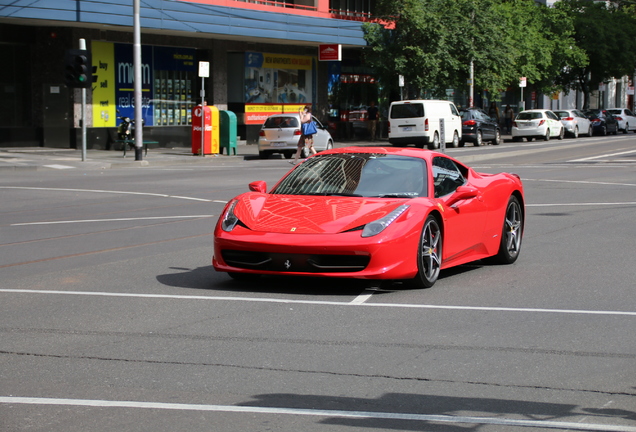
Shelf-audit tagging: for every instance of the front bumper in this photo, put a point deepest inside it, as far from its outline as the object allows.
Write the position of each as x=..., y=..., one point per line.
x=329, y=255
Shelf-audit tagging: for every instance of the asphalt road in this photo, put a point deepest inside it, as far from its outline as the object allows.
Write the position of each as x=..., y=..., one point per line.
x=112, y=319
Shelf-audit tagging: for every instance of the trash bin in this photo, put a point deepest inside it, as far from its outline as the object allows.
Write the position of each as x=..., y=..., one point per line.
x=209, y=116
x=228, y=131
x=201, y=124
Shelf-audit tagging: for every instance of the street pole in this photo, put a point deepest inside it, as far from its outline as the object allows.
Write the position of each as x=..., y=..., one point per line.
x=82, y=46
x=139, y=135
x=471, y=92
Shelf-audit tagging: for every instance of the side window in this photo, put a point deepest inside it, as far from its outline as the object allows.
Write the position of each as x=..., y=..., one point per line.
x=629, y=113
x=454, y=110
x=446, y=176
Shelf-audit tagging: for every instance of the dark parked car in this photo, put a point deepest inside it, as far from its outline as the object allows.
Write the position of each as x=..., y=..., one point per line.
x=478, y=127
x=602, y=122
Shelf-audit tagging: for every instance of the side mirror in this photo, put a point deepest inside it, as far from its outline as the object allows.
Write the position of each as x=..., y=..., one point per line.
x=462, y=193
x=258, y=186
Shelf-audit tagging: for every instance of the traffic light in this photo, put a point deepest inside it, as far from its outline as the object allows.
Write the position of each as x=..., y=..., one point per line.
x=77, y=73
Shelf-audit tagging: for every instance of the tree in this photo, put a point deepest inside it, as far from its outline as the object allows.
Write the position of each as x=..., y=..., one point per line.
x=433, y=42
x=607, y=35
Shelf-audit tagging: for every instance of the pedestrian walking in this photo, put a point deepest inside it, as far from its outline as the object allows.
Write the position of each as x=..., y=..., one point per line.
x=509, y=115
x=372, y=118
x=308, y=129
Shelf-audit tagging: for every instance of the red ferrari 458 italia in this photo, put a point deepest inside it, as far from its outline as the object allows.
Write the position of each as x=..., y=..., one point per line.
x=400, y=214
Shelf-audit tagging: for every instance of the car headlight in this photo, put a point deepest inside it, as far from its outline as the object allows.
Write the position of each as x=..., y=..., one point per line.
x=229, y=218
x=377, y=226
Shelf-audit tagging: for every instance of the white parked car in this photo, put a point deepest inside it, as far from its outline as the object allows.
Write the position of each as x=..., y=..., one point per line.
x=575, y=122
x=281, y=132
x=537, y=123
x=626, y=118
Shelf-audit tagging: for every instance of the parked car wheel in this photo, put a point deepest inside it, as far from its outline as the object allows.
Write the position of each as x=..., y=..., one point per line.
x=547, y=135
x=435, y=144
x=575, y=134
x=562, y=134
x=497, y=139
x=455, y=142
x=478, y=139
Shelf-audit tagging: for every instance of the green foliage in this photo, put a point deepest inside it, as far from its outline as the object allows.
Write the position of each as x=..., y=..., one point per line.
x=434, y=41
x=608, y=37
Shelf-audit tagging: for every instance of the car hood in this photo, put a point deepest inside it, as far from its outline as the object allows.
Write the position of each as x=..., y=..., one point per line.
x=309, y=214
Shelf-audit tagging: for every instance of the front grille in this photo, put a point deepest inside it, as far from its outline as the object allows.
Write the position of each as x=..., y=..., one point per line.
x=295, y=263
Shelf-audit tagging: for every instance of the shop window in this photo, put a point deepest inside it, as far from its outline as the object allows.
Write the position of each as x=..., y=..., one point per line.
x=173, y=98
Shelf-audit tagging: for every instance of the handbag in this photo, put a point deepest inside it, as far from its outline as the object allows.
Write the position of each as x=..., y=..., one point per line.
x=309, y=128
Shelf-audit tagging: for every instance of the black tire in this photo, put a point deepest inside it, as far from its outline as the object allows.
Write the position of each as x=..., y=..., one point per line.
x=626, y=128
x=288, y=155
x=455, y=142
x=604, y=130
x=329, y=145
x=562, y=134
x=429, y=255
x=575, y=134
x=479, y=140
x=263, y=155
x=590, y=131
x=547, y=135
x=497, y=139
x=435, y=143
x=511, y=233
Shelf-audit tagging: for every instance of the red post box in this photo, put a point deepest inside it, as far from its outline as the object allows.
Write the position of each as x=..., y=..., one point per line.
x=201, y=115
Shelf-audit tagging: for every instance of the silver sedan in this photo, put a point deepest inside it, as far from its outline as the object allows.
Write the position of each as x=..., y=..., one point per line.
x=281, y=133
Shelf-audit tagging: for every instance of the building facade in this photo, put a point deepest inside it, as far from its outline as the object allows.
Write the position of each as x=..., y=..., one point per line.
x=263, y=58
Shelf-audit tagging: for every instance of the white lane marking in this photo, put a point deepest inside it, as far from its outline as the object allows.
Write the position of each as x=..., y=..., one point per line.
x=319, y=413
x=581, y=182
x=109, y=192
x=606, y=155
x=320, y=302
x=111, y=220
x=59, y=166
x=366, y=295
x=582, y=204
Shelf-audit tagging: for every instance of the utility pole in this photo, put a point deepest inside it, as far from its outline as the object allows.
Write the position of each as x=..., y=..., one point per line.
x=139, y=134
x=82, y=46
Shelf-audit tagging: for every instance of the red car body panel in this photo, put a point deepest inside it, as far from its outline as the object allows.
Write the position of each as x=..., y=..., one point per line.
x=331, y=225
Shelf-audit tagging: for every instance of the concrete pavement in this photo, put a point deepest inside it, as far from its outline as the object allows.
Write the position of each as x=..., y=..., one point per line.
x=43, y=158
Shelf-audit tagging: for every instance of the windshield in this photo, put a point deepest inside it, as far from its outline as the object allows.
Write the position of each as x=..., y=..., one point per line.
x=593, y=113
x=407, y=110
x=563, y=114
x=357, y=174
x=529, y=115
x=281, y=122
x=614, y=111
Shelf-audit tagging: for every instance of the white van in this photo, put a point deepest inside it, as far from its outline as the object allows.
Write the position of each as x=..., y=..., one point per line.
x=418, y=122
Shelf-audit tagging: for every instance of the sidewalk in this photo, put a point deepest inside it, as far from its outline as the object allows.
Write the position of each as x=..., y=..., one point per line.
x=43, y=158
